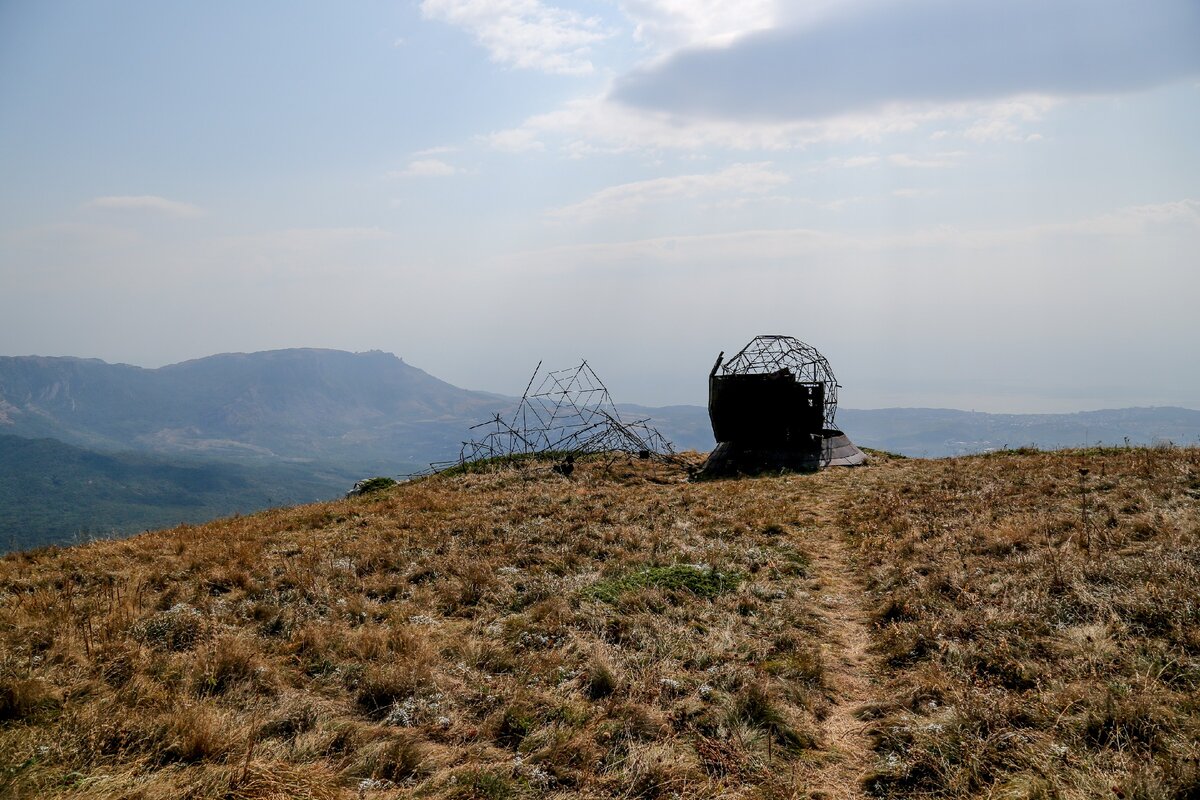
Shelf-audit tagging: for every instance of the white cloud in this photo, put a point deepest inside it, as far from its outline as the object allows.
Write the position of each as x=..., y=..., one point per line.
x=426, y=168
x=739, y=180
x=525, y=34
x=858, y=161
x=593, y=125
x=1175, y=218
x=939, y=161
x=1134, y=221
x=674, y=23
x=144, y=202
x=1003, y=120
x=515, y=140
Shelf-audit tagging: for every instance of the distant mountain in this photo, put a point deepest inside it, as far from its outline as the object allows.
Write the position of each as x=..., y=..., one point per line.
x=373, y=413
x=55, y=493
x=934, y=433
x=368, y=411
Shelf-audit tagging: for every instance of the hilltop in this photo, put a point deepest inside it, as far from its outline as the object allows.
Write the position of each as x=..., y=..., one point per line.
x=1002, y=625
x=286, y=426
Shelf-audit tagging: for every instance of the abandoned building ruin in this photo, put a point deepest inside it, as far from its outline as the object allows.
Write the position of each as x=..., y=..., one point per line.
x=568, y=412
x=772, y=408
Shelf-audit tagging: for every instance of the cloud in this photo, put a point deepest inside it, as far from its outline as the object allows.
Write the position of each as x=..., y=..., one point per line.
x=515, y=140
x=144, y=202
x=426, y=168
x=939, y=161
x=1177, y=219
x=739, y=180
x=439, y=150
x=592, y=125
x=525, y=34
x=926, y=52
x=855, y=161
x=673, y=23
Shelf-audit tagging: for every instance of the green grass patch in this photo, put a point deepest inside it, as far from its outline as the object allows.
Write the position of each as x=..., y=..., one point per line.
x=700, y=581
x=874, y=451
x=372, y=485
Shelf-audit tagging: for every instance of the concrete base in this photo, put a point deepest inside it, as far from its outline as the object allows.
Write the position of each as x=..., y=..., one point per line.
x=832, y=449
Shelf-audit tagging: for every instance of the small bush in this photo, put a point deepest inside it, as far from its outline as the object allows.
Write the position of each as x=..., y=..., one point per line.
x=600, y=681
x=381, y=687
x=397, y=759
x=228, y=663
x=23, y=698
x=510, y=727
x=197, y=734
x=754, y=706
x=178, y=628
x=370, y=486
x=478, y=784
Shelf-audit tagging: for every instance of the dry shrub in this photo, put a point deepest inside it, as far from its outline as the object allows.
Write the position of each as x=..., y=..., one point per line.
x=484, y=655
x=116, y=663
x=472, y=584
x=481, y=784
x=1124, y=718
x=23, y=698
x=657, y=770
x=600, y=681
x=755, y=706
x=275, y=780
x=397, y=758
x=384, y=685
x=178, y=628
x=228, y=664
x=200, y=733
x=509, y=726
x=315, y=647
x=563, y=755
x=289, y=721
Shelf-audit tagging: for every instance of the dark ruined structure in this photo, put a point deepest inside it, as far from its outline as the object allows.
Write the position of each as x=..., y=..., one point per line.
x=772, y=408
x=567, y=413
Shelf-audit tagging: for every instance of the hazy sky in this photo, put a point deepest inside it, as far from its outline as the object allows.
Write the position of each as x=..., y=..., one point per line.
x=988, y=204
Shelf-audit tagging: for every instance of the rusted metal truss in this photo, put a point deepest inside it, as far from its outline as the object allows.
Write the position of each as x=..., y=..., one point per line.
x=772, y=354
x=568, y=413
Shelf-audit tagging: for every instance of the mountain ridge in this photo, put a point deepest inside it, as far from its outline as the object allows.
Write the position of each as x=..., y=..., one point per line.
x=315, y=417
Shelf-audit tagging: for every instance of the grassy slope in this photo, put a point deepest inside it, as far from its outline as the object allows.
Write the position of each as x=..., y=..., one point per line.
x=1038, y=627
x=518, y=634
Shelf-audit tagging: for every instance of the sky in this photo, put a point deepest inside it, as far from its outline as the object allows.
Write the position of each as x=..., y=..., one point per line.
x=991, y=205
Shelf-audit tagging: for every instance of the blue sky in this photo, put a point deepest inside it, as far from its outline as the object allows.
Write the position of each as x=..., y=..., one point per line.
x=968, y=203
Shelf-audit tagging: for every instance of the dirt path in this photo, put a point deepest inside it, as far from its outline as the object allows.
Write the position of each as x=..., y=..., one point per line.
x=848, y=667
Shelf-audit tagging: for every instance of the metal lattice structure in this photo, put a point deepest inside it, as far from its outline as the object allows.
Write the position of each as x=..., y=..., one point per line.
x=767, y=355
x=570, y=412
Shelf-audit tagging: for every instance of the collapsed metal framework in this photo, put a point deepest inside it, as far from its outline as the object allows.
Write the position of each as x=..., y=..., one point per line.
x=569, y=413
x=768, y=355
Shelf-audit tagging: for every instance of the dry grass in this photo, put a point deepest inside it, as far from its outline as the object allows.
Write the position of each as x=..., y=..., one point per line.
x=500, y=634
x=623, y=633
x=1041, y=623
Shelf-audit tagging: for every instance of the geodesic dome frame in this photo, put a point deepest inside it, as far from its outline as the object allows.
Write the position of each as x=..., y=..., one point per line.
x=766, y=355
x=570, y=412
